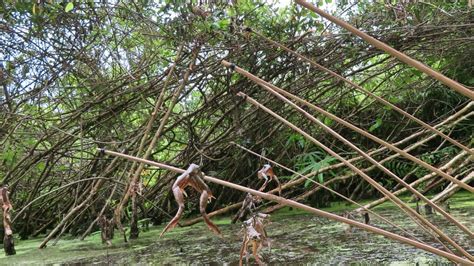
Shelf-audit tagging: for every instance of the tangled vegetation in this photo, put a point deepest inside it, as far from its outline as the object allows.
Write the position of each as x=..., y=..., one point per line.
x=145, y=78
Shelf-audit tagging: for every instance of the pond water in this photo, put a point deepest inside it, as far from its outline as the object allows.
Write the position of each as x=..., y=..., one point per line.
x=297, y=238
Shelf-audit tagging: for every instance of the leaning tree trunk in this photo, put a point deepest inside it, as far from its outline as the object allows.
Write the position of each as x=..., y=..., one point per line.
x=8, y=243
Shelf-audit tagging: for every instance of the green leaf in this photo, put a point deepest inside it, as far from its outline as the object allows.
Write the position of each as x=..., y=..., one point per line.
x=9, y=156
x=321, y=178
x=296, y=139
x=230, y=12
x=378, y=123
x=41, y=166
x=69, y=7
x=328, y=121
x=223, y=24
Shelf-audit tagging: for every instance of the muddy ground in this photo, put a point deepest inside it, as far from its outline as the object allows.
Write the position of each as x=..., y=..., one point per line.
x=297, y=238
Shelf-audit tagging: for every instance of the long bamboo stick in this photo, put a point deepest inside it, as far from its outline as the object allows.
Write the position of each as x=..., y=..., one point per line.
x=298, y=205
x=451, y=190
x=361, y=208
x=273, y=90
x=335, y=166
x=367, y=178
x=384, y=47
x=417, y=182
x=131, y=191
x=359, y=88
x=347, y=124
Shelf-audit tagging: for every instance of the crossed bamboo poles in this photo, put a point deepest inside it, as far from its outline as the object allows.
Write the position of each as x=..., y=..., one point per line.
x=298, y=205
x=393, y=52
x=451, y=83
x=361, y=208
x=362, y=90
x=278, y=93
x=453, y=119
x=412, y=213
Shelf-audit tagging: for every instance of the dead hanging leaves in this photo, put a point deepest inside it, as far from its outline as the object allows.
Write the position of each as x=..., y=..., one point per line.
x=8, y=243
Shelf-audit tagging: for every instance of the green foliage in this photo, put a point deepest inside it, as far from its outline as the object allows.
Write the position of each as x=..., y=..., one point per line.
x=312, y=162
x=69, y=6
x=377, y=124
x=400, y=167
x=296, y=140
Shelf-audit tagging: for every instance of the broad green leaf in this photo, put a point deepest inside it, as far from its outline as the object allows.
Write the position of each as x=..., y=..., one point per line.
x=9, y=156
x=69, y=7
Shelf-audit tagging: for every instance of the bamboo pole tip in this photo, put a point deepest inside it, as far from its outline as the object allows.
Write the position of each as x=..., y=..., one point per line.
x=225, y=63
x=228, y=64
x=101, y=151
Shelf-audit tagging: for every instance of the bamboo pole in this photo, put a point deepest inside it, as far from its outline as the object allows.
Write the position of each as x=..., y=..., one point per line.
x=359, y=88
x=416, y=182
x=393, y=52
x=131, y=191
x=412, y=158
x=298, y=205
x=335, y=166
x=276, y=92
x=367, y=178
x=445, y=194
x=361, y=208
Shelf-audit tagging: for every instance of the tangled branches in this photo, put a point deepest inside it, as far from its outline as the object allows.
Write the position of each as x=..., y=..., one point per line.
x=91, y=77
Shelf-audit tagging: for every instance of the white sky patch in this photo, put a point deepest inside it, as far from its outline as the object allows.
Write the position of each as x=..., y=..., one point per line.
x=281, y=3
x=331, y=7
